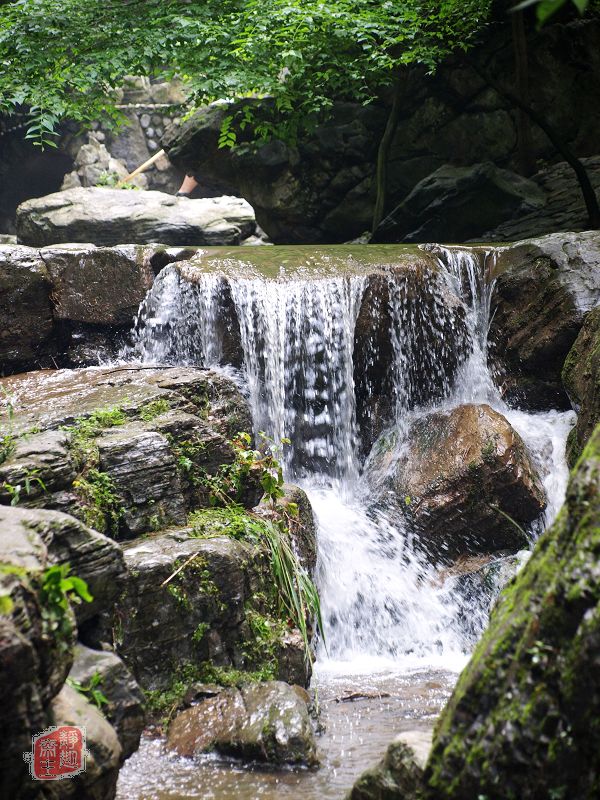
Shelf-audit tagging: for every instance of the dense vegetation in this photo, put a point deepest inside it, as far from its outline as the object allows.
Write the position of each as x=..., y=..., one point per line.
x=65, y=58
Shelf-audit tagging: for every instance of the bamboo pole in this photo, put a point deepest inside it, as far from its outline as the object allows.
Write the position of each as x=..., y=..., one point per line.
x=143, y=167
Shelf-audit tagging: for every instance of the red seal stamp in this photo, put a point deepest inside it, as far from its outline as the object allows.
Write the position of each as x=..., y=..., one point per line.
x=57, y=753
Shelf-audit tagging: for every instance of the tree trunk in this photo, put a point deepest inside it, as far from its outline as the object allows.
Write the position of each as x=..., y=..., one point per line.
x=587, y=190
x=519, y=40
x=382, y=158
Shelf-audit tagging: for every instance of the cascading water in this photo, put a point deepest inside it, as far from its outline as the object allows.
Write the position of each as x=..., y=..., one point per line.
x=295, y=347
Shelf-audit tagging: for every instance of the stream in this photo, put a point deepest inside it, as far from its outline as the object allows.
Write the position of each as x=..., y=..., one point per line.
x=396, y=629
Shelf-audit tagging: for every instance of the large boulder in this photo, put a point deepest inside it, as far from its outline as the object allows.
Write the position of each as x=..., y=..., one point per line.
x=581, y=378
x=99, y=779
x=98, y=285
x=72, y=304
x=34, y=662
x=37, y=633
x=114, y=216
x=262, y=722
x=201, y=596
x=523, y=719
x=455, y=204
x=543, y=290
x=464, y=480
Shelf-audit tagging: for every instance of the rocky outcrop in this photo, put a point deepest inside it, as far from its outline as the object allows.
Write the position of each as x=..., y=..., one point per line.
x=409, y=341
x=39, y=620
x=99, y=779
x=122, y=701
x=581, y=378
x=455, y=204
x=463, y=478
x=72, y=304
x=193, y=598
x=522, y=721
x=25, y=307
x=267, y=722
x=323, y=189
x=138, y=446
x=399, y=774
x=544, y=289
x=113, y=216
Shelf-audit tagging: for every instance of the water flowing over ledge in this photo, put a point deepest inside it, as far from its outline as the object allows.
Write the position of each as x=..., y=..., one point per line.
x=302, y=330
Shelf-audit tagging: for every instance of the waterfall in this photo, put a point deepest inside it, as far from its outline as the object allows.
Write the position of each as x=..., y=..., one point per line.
x=292, y=340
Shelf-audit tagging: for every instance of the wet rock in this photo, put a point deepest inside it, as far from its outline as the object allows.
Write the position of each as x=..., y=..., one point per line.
x=99, y=779
x=303, y=527
x=114, y=216
x=65, y=540
x=475, y=583
x=197, y=616
x=581, y=378
x=399, y=775
x=544, y=289
x=34, y=659
x=458, y=477
x=522, y=721
x=262, y=722
x=395, y=303
x=142, y=469
x=98, y=285
x=25, y=306
x=455, y=204
x=124, y=708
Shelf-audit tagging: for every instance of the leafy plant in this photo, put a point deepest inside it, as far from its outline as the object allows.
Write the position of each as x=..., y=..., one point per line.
x=91, y=690
x=14, y=490
x=102, y=504
x=58, y=589
x=154, y=409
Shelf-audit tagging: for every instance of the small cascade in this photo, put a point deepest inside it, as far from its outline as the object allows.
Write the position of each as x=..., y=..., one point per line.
x=296, y=345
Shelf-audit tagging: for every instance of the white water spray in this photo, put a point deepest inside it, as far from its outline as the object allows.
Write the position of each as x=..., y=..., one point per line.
x=380, y=603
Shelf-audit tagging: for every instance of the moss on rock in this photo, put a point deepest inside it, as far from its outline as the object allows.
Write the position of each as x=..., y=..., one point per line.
x=523, y=721
x=581, y=378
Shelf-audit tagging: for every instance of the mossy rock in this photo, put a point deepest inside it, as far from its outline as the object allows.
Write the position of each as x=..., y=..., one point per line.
x=581, y=378
x=523, y=721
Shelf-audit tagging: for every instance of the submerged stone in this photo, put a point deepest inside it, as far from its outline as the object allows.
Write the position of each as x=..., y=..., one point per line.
x=266, y=722
x=399, y=774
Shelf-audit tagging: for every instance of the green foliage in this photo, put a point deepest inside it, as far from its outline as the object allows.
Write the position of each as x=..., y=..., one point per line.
x=91, y=690
x=233, y=521
x=57, y=591
x=6, y=605
x=65, y=58
x=85, y=430
x=102, y=505
x=7, y=440
x=229, y=484
x=154, y=409
x=30, y=479
x=547, y=8
x=297, y=595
